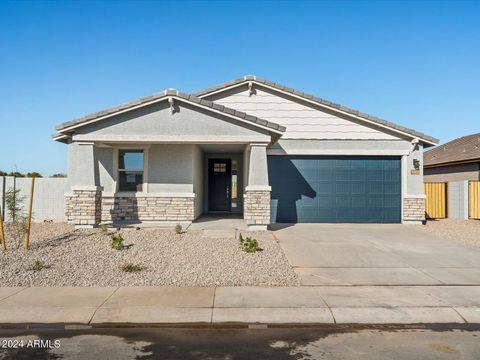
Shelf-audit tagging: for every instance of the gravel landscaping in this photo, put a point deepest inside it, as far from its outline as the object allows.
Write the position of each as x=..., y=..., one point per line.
x=466, y=232
x=86, y=258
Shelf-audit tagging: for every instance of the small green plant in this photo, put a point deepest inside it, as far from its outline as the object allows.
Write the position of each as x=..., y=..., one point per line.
x=104, y=227
x=248, y=244
x=131, y=268
x=178, y=229
x=39, y=265
x=14, y=206
x=117, y=242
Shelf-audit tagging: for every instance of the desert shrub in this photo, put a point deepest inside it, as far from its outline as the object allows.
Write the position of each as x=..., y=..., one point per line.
x=104, y=228
x=178, y=229
x=131, y=268
x=39, y=265
x=117, y=242
x=14, y=204
x=248, y=244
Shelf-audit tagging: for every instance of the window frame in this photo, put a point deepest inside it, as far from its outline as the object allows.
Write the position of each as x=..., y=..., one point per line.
x=116, y=159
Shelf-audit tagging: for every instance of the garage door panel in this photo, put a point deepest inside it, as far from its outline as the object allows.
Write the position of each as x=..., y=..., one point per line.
x=391, y=188
x=335, y=189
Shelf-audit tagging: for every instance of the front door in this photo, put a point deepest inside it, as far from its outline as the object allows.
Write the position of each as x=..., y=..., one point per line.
x=219, y=184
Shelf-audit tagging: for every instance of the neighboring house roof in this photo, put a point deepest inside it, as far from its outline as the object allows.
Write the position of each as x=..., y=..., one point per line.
x=463, y=149
x=270, y=84
x=65, y=127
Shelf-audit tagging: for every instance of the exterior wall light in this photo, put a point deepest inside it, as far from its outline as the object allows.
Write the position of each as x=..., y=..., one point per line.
x=416, y=164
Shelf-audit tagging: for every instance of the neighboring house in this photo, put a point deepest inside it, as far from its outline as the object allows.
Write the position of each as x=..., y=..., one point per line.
x=456, y=160
x=248, y=146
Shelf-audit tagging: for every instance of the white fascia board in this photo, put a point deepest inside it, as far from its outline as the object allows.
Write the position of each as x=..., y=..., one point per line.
x=59, y=137
x=321, y=105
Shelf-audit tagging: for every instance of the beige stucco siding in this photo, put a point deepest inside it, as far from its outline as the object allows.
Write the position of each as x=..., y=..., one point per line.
x=459, y=172
x=302, y=121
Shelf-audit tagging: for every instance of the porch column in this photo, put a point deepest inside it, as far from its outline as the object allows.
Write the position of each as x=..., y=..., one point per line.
x=257, y=192
x=83, y=203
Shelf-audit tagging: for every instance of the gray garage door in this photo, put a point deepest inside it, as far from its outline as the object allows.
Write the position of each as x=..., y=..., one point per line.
x=335, y=189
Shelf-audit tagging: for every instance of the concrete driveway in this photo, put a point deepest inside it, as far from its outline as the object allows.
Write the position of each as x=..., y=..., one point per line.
x=360, y=254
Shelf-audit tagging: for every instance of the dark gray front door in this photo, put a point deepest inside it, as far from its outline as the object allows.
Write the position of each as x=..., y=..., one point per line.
x=219, y=178
x=335, y=189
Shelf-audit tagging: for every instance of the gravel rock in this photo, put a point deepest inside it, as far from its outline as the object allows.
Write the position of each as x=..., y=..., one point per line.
x=466, y=232
x=85, y=258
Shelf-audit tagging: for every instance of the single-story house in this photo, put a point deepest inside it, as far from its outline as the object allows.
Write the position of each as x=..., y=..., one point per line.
x=248, y=146
x=456, y=160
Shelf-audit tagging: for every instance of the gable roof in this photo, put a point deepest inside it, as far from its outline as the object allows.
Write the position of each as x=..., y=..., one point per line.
x=64, y=128
x=429, y=140
x=463, y=149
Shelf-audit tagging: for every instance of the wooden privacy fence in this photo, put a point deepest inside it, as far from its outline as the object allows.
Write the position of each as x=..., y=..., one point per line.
x=436, y=201
x=474, y=199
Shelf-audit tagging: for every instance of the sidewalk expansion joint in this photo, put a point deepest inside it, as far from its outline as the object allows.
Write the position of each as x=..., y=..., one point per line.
x=108, y=297
x=9, y=296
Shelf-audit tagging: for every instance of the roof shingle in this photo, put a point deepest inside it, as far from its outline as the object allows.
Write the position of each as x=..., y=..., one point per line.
x=465, y=148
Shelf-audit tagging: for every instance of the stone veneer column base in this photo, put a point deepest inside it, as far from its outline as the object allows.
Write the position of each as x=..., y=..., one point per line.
x=147, y=208
x=83, y=207
x=413, y=210
x=256, y=209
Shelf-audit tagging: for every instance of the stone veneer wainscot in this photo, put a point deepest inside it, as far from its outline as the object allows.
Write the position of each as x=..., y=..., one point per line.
x=257, y=207
x=147, y=207
x=414, y=208
x=92, y=207
x=83, y=207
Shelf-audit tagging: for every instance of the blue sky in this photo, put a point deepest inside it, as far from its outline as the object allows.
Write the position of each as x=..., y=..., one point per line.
x=414, y=63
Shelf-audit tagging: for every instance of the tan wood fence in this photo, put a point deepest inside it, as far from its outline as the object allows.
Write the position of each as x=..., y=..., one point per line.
x=474, y=199
x=436, y=201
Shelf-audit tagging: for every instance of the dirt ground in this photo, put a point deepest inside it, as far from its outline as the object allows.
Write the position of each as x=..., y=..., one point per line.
x=466, y=232
x=86, y=258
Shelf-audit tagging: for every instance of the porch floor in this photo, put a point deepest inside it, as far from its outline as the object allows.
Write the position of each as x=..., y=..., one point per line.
x=219, y=222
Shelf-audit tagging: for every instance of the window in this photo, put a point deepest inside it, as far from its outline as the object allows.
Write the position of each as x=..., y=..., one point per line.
x=130, y=170
x=219, y=167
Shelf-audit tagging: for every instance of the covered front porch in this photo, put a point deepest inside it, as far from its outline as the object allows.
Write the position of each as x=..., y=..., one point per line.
x=167, y=159
x=152, y=184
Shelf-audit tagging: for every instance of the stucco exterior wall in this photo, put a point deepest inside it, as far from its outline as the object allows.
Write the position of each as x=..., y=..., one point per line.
x=340, y=147
x=157, y=123
x=104, y=168
x=460, y=172
x=414, y=181
x=170, y=168
x=198, y=180
x=81, y=169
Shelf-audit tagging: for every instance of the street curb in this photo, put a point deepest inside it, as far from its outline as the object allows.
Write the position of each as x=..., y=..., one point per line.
x=238, y=325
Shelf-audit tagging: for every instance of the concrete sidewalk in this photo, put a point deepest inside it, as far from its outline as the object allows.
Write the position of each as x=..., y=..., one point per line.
x=241, y=305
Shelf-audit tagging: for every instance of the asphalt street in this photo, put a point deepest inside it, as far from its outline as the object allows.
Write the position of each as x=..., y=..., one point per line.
x=236, y=344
